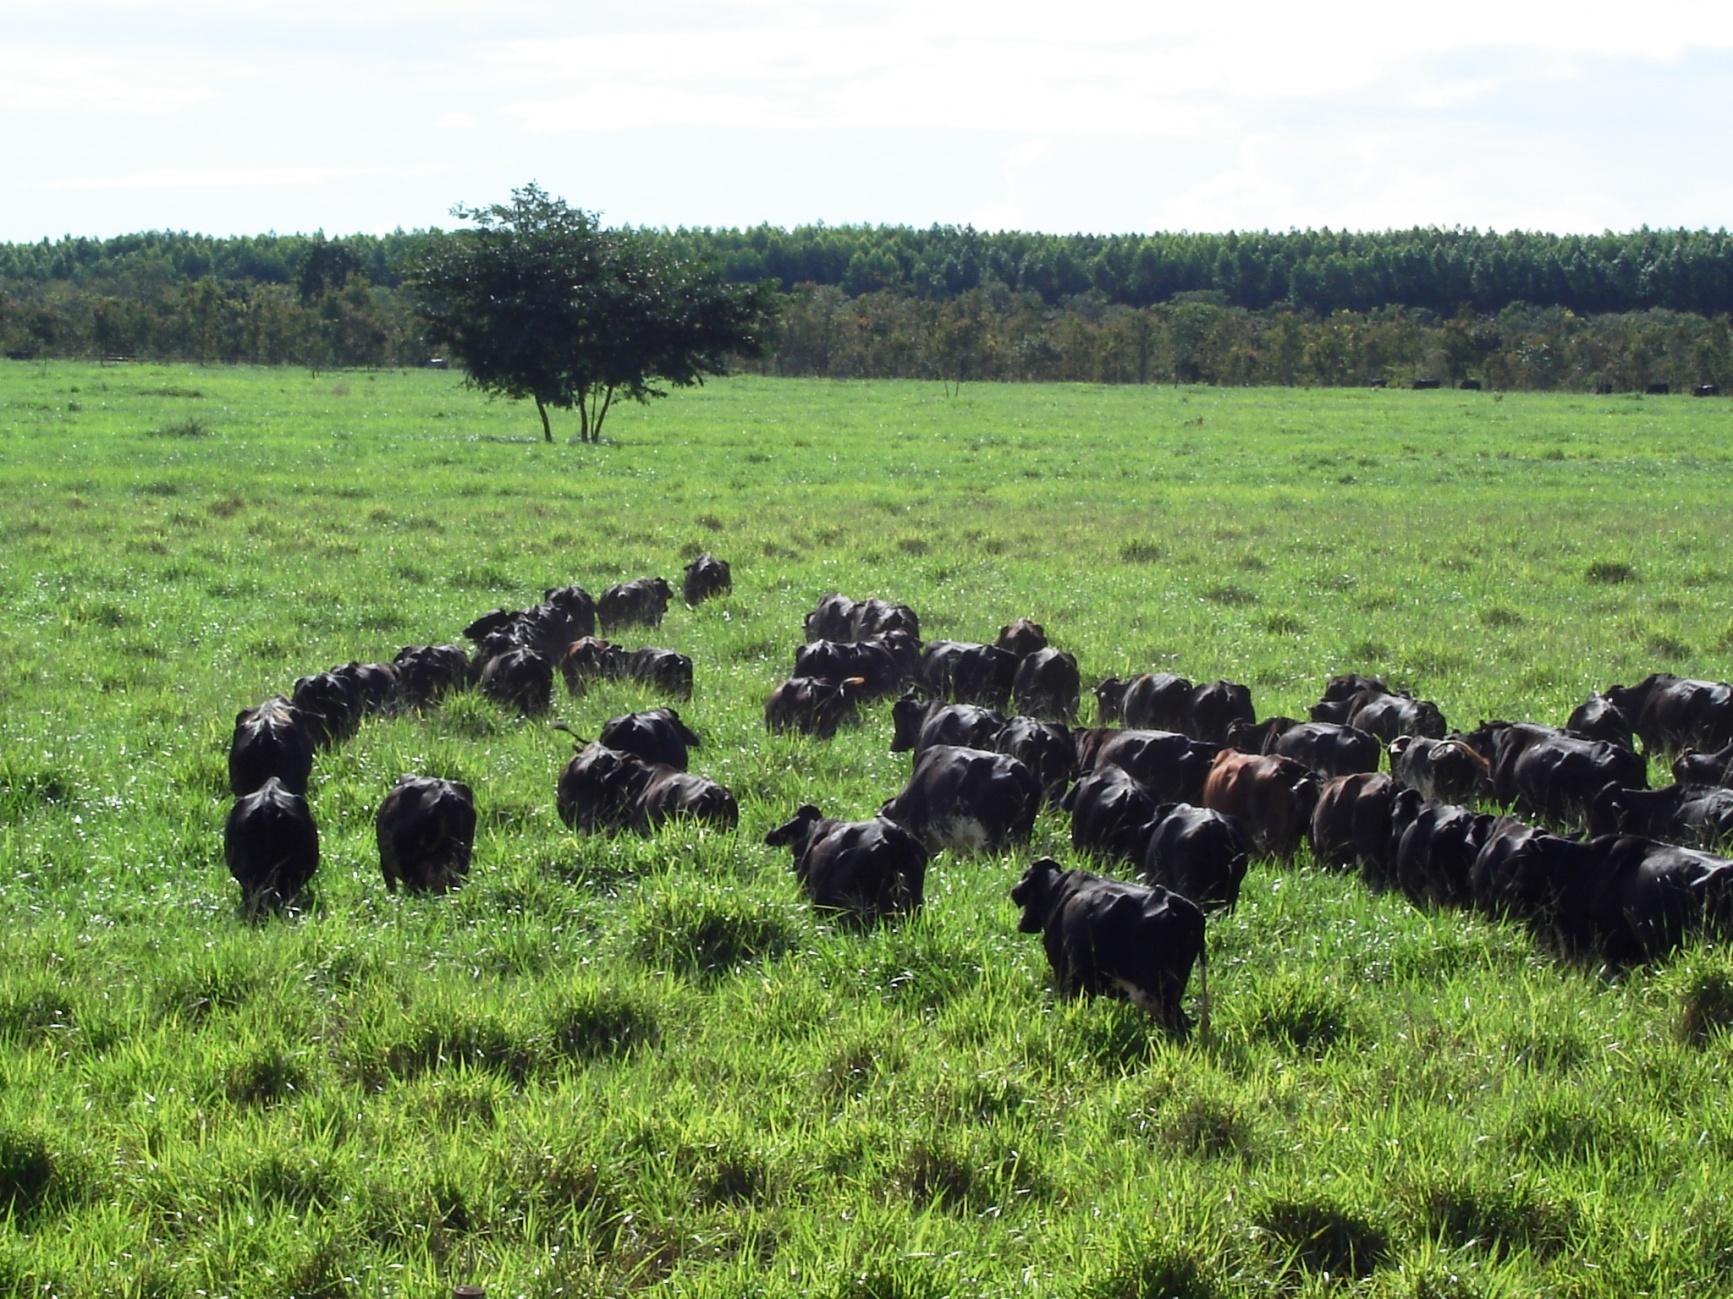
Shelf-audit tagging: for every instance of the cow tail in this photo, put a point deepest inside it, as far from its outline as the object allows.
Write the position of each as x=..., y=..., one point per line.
x=1203, y=988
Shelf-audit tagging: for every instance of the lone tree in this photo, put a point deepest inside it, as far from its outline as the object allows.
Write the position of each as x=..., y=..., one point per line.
x=538, y=300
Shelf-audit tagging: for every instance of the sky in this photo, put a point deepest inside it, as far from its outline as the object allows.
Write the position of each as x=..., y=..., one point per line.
x=362, y=116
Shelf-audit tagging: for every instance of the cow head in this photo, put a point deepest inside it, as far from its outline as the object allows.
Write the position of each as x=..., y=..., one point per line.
x=795, y=831
x=1110, y=700
x=1022, y=637
x=1034, y=893
x=684, y=731
x=907, y=715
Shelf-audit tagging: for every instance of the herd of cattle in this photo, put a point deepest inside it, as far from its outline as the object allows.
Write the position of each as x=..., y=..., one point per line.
x=1179, y=784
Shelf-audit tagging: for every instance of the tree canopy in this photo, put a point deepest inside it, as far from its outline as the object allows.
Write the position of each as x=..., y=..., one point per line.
x=538, y=300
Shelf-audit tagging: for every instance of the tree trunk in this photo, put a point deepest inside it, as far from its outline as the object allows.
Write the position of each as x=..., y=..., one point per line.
x=601, y=414
x=547, y=431
x=584, y=416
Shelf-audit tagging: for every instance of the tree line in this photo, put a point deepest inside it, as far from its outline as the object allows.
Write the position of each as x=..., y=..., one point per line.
x=1513, y=310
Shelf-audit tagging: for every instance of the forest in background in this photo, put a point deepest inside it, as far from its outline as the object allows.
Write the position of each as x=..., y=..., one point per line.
x=1512, y=310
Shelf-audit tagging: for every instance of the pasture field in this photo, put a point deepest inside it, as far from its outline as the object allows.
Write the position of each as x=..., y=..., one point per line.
x=618, y=1065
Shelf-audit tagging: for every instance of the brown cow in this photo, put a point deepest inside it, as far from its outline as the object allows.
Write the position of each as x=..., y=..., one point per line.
x=1273, y=797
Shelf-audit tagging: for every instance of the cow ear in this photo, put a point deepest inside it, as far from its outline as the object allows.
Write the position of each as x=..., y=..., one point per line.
x=1400, y=744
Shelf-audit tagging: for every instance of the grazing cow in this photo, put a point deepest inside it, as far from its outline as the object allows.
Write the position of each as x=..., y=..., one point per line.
x=967, y=673
x=920, y=724
x=1657, y=894
x=590, y=658
x=1380, y=383
x=832, y=619
x=1672, y=713
x=1426, y=385
x=1388, y=716
x=377, y=685
x=1111, y=815
x=967, y=799
x=1599, y=718
x=1272, y=797
x=1047, y=685
x=1328, y=748
x=425, y=673
x=273, y=740
x=425, y=829
x=812, y=706
x=577, y=604
x=1443, y=771
x=1022, y=637
x=522, y=678
x=271, y=846
x=598, y=789
x=1698, y=816
x=655, y=735
x=883, y=666
x=1114, y=939
x=1555, y=777
x=870, y=870
x=705, y=577
x=1706, y=390
x=1172, y=767
x=1704, y=768
x=1469, y=385
x=640, y=602
x=1044, y=748
x=1345, y=685
x=669, y=794
x=1161, y=701
x=839, y=618
x=1357, y=821
x=331, y=705
x=547, y=628
x=1197, y=853
x=1436, y=850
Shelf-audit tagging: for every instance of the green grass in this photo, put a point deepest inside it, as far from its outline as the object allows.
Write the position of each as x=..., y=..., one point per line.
x=613, y=1065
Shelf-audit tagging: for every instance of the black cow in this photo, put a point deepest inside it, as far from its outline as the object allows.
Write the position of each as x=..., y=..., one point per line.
x=1706, y=390
x=1272, y=797
x=1044, y=748
x=866, y=869
x=1328, y=748
x=839, y=618
x=1469, y=385
x=668, y=793
x=1047, y=684
x=425, y=673
x=1443, y=771
x=1673, y=713
x=578, y=606
x=273, y=740
x=640, y=602
x=377, y=685
x=598, y=789
x=1704, y=768
x=1198, y=853
x=271, y=846
x=832, y=619
x=331, y=706
x=920, y=724
x=705, y=577
x=590, y=658
x=522, y=678
x=1171, y=766
x=1022, y=637
x=426, y=830
x=1114, y=939
x=967, y=799
x=1162, y=701
x=1435, y=852
x=968, y=673
x=883, y=665
x=547, y=628
x=1111, y=815
x=1357, y=821
x=1698, y=816
x=655, y=735
x=1599, y=718
x=1426, y=385
x=812, y=705
x=1388, y=716
x=1555, y=777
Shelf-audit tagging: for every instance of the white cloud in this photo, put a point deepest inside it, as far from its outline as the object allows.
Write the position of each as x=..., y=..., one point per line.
x=44, y=80
x=232, y=178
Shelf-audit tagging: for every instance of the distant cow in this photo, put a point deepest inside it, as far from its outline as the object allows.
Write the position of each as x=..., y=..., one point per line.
x=1328, y=748
x=668, y=794
x=1171, y=766
x=1599, y=718
x=919, y=724
x=1109, y=938
x=1704, y=768
x=1556, y=776
x=1356, y=823
x=1272, y=797
x=868, y=869
x=883, y=665
x=967, y=799
x=640, y=602
x=1385, y=713
x=1421, y=385
x=522, y=678
x=1657, y=389
x=705, y=577
x=1443, y=771
x=655, y=735
x=426, y=673
x=1469, y=385
x=1047, y=685
x=1022, y=637
x=271, y=740
x=377, y=685
x=589, y=659
x=331, y=705
x=839, y=618
x=1111, y=815
x=598, y=789
x=1162, y=701
x=812, y=706
x=1043, y=747
x=1706, y=390
x=1435, y=852
x=1198, y=853
x=271, y=846
x=1698, y=816
x=968, y=673
x=1672, y=713
x=425, y=829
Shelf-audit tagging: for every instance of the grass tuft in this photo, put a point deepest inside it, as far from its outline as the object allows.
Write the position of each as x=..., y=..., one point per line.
x=1611, y=572
x=194, y=426
x=1323, y=1236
